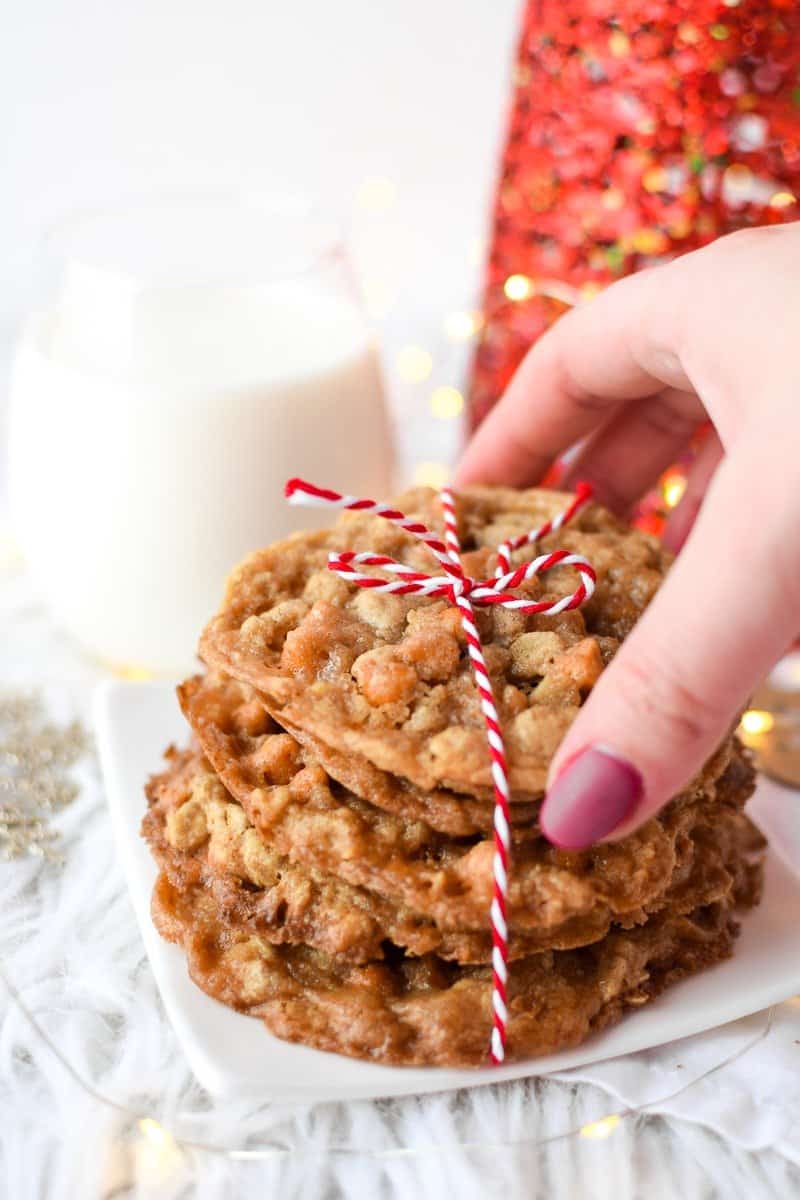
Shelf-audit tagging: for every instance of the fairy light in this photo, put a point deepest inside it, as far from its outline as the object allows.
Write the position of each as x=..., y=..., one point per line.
x=673, y=490
x=131, y=672
x=158, y=1153
x=159, y=1141
x=414, y=364
x=446, y=403
x=597, y=1130
x=461, y=326
x=154, y=1133
x=783, y=200
x=518, y=287
x=589, y=290
x=756, y=720
x=376, y=193
x=431, y=474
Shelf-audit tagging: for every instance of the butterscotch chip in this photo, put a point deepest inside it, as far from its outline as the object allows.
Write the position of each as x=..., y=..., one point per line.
x=388, y=677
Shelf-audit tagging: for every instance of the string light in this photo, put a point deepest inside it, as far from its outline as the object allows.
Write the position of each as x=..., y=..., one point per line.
x=756, y=720
x=589, y=290
x=596, y=1130
x=414, y=364
x=131, y=672
x=431, y=474
x=461, y=326
x=518, y=287
x=154, y=1133
x=446, y=403
x=673, y=489
x=157, y=1155
x=782, y=200
x=162, y=1141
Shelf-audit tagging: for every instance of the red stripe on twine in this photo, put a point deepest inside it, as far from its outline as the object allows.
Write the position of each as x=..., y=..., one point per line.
x=465, y=593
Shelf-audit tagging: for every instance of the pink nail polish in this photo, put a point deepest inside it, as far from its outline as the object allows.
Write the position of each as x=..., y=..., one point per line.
x=595, y=792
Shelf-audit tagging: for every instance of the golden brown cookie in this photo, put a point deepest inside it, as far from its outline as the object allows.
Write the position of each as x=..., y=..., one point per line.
x=427, y=1011
x=231, y=722
x=302, y=813
x=388, y=678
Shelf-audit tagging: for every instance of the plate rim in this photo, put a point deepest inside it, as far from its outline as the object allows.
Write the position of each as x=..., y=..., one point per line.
x=166, y=960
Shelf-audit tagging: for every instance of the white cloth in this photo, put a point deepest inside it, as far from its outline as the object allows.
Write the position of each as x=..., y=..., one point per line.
x=69, y=942
x=753, y=1100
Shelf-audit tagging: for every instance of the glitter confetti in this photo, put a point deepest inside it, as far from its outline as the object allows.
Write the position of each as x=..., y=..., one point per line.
x=638, y=131
x=35, y=783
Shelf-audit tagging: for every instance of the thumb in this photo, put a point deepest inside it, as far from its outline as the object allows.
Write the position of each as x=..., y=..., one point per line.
x=726, y=612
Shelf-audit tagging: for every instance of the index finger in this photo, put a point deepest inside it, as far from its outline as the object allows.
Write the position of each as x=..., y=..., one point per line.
x=593, y=361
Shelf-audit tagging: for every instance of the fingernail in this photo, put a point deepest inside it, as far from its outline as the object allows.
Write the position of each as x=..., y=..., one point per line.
x=596, y=791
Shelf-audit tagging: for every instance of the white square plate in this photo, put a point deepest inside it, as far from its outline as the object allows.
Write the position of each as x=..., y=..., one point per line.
x=230, y=1053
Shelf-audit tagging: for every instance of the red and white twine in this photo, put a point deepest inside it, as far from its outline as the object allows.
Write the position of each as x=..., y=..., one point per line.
x=456, y=586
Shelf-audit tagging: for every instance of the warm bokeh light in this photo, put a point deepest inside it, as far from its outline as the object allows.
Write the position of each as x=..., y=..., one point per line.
x=518, y=287
x=131, y=672
x=673, y=488
x=602, y=1128
x=446, y=402
x=756, y=720
x=155, y=1133
x=461, y=326
x=782, y=200
x=158, y=1154
x=431, y=474
x=414, y=364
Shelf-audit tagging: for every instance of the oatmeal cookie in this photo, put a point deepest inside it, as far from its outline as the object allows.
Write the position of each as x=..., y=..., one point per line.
x=230, y=720
x=425, y=1010
x=300, y=812
x=387, y=677
x=201, y=837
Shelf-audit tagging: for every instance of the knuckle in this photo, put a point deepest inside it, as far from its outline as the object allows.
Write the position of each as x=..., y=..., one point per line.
x=581, y=397
x=663, y=417
x=660, y=699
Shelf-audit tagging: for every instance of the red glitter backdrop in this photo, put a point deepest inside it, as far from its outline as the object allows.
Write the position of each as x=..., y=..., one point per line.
x=639, y=130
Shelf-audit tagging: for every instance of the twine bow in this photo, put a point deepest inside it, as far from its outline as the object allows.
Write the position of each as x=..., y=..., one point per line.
x=467, y=593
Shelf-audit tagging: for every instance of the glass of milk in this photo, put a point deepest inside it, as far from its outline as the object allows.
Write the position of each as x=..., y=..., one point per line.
x=196, y=355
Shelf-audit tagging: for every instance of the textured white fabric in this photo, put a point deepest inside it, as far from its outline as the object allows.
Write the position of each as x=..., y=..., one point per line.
x=69, y=942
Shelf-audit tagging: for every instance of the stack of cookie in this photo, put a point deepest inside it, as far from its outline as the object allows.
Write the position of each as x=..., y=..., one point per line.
x=325, y=842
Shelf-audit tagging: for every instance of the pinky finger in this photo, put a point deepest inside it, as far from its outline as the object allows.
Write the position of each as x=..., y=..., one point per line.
x=680, y=523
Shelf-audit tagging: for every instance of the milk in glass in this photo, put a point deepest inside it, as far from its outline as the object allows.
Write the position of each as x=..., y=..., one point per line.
x=159, y=407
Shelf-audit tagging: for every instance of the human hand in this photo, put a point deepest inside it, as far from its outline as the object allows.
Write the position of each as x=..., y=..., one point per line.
x=714, y=334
